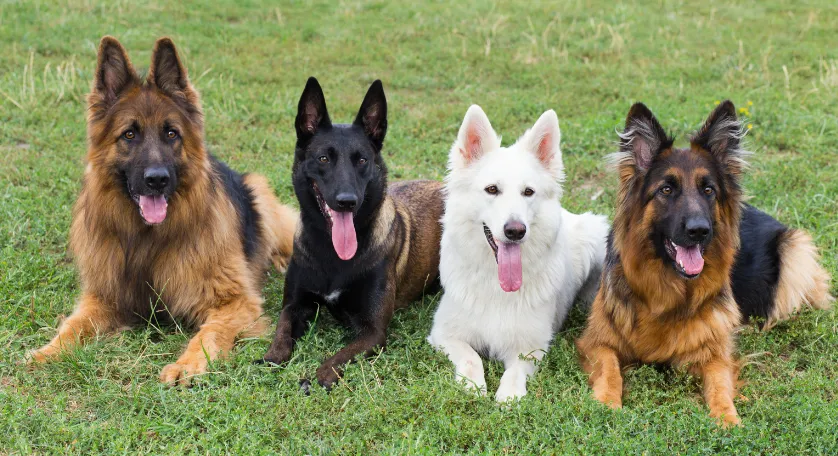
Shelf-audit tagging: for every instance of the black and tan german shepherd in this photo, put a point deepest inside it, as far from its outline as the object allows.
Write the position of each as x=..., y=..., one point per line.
x=363, y=250
x=687, y=260
x=161, y=228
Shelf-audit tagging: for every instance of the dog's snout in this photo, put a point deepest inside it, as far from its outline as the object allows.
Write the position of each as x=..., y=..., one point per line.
x=347, y=201
x=156, y=178
x=514, y=230
x=697, y=228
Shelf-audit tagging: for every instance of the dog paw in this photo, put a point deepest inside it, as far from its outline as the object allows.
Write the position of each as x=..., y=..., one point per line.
x=472, y=377
x=278, y=357
x=327, y=376
x=180, y=373
x=269, y=362
x=478, y=387
x=611, y=400
x=726, y=421
x=510, y=391
x=39, y=356
x=471, y=384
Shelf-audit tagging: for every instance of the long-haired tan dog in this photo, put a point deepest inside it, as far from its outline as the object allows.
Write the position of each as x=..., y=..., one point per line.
x=161, y=228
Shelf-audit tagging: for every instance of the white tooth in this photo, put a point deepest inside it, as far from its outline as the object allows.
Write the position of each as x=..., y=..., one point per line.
x=681, y=263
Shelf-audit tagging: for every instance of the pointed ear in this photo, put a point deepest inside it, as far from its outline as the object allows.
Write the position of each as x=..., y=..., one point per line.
x=311, y=111
x=476, y=137
x=722, y=135
x=544, y=138
x=114, y=72
x=167, y=72
x=373, y=114
x=643, y=137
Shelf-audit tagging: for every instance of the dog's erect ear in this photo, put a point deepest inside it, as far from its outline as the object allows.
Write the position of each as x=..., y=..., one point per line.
x=114, y=72
x=543, y=140
x=373, y=114
x=167, y=72
x=643, y=136
x=311, y=111
x=476, y=137
x=722, y=135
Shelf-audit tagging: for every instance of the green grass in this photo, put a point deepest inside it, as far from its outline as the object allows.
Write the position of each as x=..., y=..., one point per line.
x=250, y=61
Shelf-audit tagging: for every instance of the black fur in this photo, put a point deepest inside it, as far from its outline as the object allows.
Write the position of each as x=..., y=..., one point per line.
x=757, y=268
x=330, y=156
x=684, y=204
x=242, y=198
x=140, y=301
x=146, y=150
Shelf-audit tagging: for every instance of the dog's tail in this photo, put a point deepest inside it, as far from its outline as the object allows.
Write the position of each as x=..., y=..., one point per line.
x=803, y=281
x=279, y=222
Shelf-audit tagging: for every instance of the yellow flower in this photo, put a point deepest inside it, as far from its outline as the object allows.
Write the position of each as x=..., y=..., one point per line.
x=750, y=103
x=743, y=110
x=717, y=102
x=750, y=126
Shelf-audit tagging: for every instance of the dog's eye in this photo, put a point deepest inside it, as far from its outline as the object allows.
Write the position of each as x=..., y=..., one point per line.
x=666, y=190
x=171, y=134
x=708, y=190
x=323, y=159
x=362, y=161
x=529, y=192
x=129, y=135
x=492, y=190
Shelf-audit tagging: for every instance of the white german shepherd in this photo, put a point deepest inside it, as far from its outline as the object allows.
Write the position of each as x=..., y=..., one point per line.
x=513, y=260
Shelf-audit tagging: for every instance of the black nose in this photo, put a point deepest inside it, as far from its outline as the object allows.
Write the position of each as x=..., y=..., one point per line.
x=347, y=201
x=514, y=231
x=156, y=178
x=697, y=228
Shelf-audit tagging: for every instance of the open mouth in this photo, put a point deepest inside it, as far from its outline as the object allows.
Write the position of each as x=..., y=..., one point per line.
x=341, y=225
x=508, y=257
x=687, y=260
x=491, y=240
x=153, y=208
x=324, y=208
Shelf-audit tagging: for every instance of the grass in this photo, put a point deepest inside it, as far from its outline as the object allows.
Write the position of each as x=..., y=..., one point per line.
x=587, y=60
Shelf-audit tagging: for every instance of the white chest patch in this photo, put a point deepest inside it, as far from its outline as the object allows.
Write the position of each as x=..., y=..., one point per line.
x=333, y=296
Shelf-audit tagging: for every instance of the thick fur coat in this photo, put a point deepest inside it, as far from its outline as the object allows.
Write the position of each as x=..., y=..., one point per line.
x=681, y=246
x=161, y=230
x=365, y=248
x=492, y=191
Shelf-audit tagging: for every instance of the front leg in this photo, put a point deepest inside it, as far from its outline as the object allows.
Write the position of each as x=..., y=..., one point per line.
x=603, y=367
x=719, y=376
x=371, y=314
x=513, y=383
x=90, y=317
x=468, y=367
x=298, y=308
x=215, y=338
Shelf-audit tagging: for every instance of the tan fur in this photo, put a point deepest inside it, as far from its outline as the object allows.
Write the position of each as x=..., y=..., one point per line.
x=803, y=281
x=644, y=312
x=420, y=205
x=192, y=267
x=279, y=234
x=408, y=231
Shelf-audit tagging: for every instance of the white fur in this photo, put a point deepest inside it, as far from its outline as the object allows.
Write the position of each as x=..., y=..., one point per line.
x=562, y=253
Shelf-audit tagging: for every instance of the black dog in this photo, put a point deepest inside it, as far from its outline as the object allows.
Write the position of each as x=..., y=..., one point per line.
x=357, y=239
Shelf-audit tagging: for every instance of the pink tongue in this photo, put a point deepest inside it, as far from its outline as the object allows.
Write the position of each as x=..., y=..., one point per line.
x=690, y=258
x=510, y=272
x=343, y=234
x=153, y=208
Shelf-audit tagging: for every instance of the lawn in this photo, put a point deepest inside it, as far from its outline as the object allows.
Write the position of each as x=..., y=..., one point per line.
x=587, y=60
